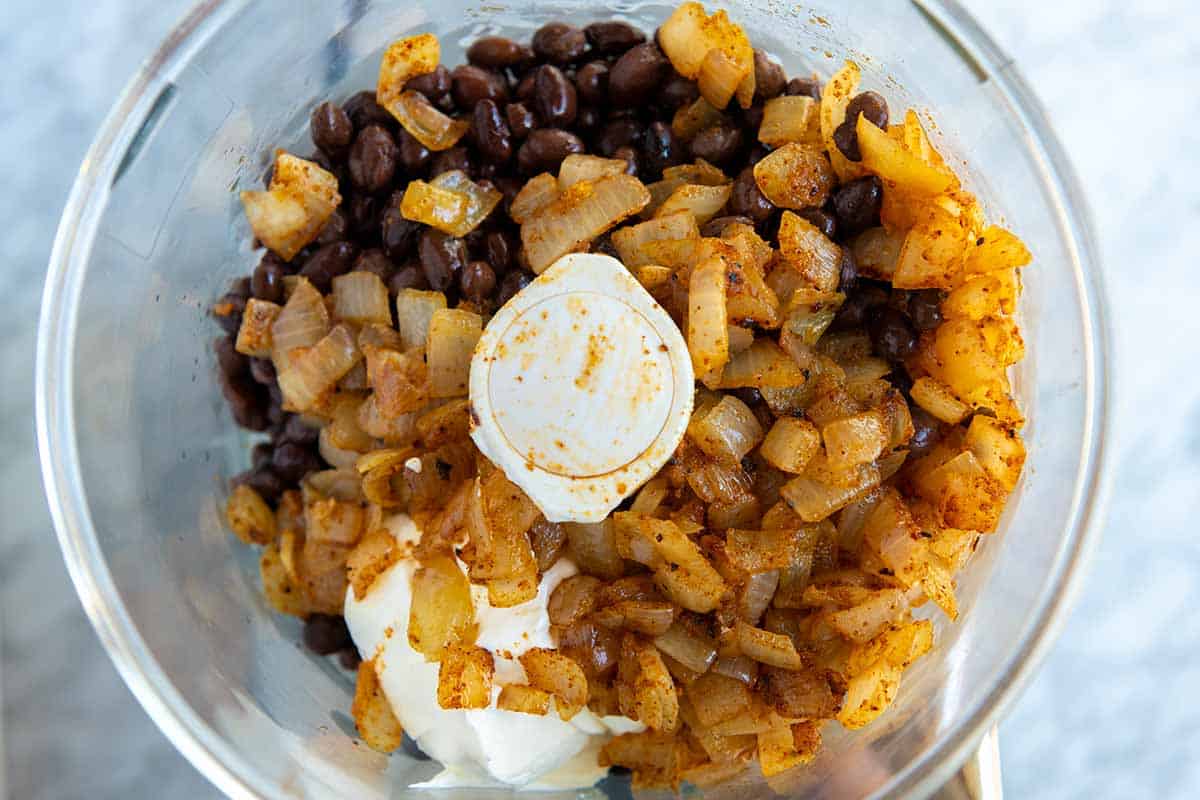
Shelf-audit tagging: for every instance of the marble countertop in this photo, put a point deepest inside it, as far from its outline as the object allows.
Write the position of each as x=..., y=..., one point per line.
x=1113, y=711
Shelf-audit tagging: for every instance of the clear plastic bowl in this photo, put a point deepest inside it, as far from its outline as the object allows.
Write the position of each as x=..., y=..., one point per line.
x=136, y=444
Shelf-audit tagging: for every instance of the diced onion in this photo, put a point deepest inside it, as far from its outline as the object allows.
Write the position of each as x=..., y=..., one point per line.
x=593, y=547
x=400, y=381
x=249, y=516
x=465, y=677
x=795, y=176
x=303, y=322
x=442, y=612
x=318, y=368
x=762, y=365
x=702, y=202
x=707, y=327
x=817, y=258
x=789, y=118
x=629, y=239
x=254, y=335
x=716, y=698
x=578, y=167
x=481, y=200
x=773, y=649
x=361, y=297
x=414, y=309
x=687, y=646
x=728, y=432
x=790, y=444
x=428, y=126
x=739, y=668
x=553, y=672
x=719, y=77
x=756, y=595
x=691, y=119
x=453, y=334
x=295, y=207
x=523, y=699
x=580, y=215
x=537, y=193
x=573, y=599
x=403, y=60
x=434, y=206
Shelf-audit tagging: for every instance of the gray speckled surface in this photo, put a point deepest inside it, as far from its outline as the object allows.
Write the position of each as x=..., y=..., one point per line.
x=1112, y=713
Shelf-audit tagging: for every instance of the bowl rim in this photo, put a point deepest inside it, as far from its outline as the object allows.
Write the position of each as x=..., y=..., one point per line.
x=207, y=750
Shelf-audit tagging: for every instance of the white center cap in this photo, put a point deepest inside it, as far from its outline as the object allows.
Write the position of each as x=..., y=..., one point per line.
x=581, y=388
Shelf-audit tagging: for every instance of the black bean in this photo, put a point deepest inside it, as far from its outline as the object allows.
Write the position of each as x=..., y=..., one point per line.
x=326, y=634
x=752, y=118
x=637, y=76
x=349, y=659
x=803, y=87
x=331, y=129
x=757, y=153
x=497, y=52
x=363, y=111
x=335, y=228
x=373, y=158
x=408, y=277
x=847, y=271
x=927, y=430
x=612, y=37
x=630, y=157
x=559, y=43
x=520, y=119
x=862, y=298
x=472, y=84
x=825, y=223
x=872, y=106
x=397, y=234
x=718, y=144
x=617, y=133
x=292, y=461
x=660, y=149
x=678, y=92
x=264, y=481
x=846, y=139
x=892, y=335
x=260, y=455
x=554, y=97
x=747, y=199
x=376, y=262
x=588, y=119
x=925, y=309
x=857, y=205
x=414, y=156
x=769, y=78
x=263, y=371
x=267, y=281
x=491, y=132
x=545, y=149
x=591, y=83
x=364, y=213
x=434, y=85
x=442, y=258
x=524, y=90
x=456, y=158
x=295, y=429
x=229, y=360
x=513, y=282
x=500, y=250
x=328, y=262
x=509, y=187
x=477, y=281
x=247, y=400
x=715, y=225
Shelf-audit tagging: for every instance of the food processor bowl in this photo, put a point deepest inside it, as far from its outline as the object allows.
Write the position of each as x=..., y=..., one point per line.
x=137, y=445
